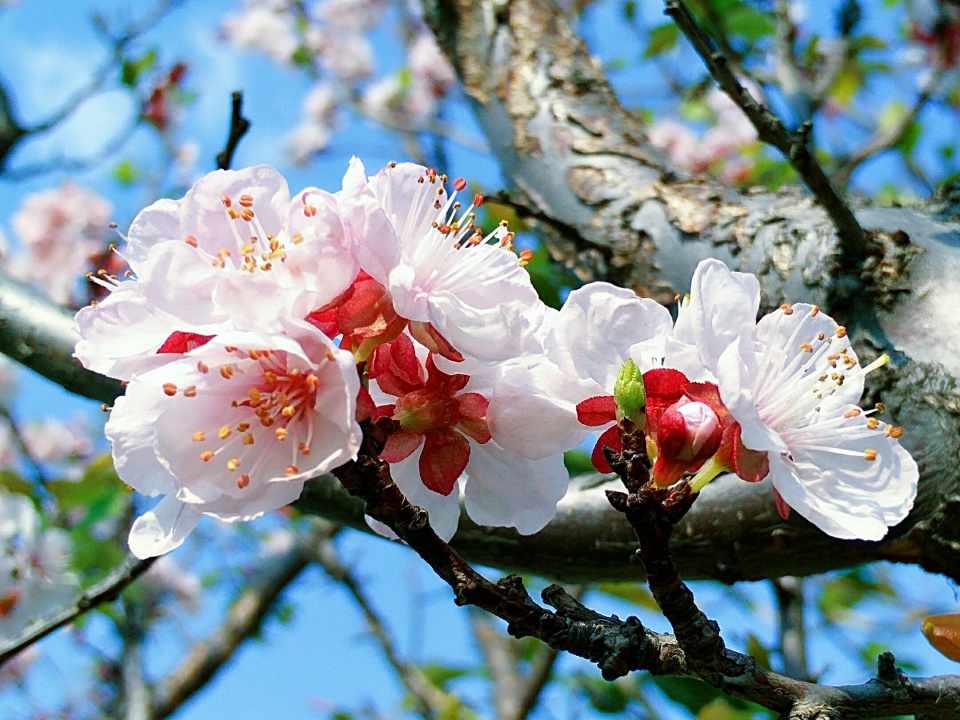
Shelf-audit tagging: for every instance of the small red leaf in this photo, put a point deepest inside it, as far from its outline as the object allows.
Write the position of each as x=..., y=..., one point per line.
x=400, y=445
x=596, y=411
x=750, y=465
x=181, y=342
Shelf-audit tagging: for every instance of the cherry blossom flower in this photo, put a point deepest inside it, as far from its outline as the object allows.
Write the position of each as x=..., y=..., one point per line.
x=234, y=253
x=791, y=383
x=465, y=295
x=444, y=446
x=429, y=67
x=548, y=404
x=354, y=16
x=349, y=56
x=52, y=440
x=266, y=26
x=34, y=578
x=233, y=429
x=60, y=229
x=793, y=389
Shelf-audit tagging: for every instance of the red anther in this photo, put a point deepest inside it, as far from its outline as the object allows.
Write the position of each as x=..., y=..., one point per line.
x=459, y=184
x=477, y=200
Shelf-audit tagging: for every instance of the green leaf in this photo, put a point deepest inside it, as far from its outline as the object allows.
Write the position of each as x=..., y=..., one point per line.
x=692, y=694
x=839, y=595
x=632, y=593
x=440, y=676
x=758, y=651
x=848, y=83
x=748, y=23
x=723, y=709
x=578, y=462
x=12, y=482
x=126, y=173
x=662, y=38
x=302, y=57
x=607, y=697
x=131, y=70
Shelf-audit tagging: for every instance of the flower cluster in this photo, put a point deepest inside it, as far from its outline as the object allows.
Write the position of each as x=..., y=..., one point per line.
x=240, y=335
x=260, y=330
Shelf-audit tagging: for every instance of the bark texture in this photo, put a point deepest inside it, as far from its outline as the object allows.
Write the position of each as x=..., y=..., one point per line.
x=610, y=207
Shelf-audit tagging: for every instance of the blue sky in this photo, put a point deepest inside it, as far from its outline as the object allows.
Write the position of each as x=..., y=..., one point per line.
x=321, y=659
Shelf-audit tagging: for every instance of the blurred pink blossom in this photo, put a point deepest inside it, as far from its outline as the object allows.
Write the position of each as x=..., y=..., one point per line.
x=59, y=230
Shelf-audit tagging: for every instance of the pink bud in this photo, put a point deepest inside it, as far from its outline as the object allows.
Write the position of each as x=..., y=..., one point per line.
x=690, y=431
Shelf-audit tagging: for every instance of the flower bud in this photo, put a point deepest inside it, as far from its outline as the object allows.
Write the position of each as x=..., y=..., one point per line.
x=690, y=432
x=629, y=393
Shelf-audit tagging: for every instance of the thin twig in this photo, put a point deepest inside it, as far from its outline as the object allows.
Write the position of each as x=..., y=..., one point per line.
x=430, y=700
x=887, y=138
x=107, y=590
x=793, y=642
x=500, y=664
x=239, y=125
x=795, y=146
x=244, y=619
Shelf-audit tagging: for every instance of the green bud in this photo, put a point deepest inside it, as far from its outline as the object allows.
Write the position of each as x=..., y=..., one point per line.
x=629, y=393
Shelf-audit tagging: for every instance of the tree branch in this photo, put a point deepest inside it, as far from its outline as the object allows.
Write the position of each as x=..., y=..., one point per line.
x=619, y=647
x=107, y=590
x=429, y=699
x=244, y=619
x=885, y=139
x=239, y=125
x=794, y=146
x=793, y=642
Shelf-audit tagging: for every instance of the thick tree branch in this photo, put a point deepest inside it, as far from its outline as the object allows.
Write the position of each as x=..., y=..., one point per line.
x=107, y=590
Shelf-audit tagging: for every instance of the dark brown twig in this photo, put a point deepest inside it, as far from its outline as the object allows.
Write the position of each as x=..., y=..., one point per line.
x=621, y=646
x=795, y=146
x=239, y=125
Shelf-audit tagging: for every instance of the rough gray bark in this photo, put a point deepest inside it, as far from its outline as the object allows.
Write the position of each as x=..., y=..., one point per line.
x=615, y=210
x=611, y=208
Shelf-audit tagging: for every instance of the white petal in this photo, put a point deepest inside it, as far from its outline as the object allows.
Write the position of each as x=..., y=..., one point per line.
x=723, y=307
x=847, y=496
x=120, y=335
x=533, y=411
x=504, y=488
x=737, y=370
x=592, y=335
x=162, y=529
x=132, y=430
